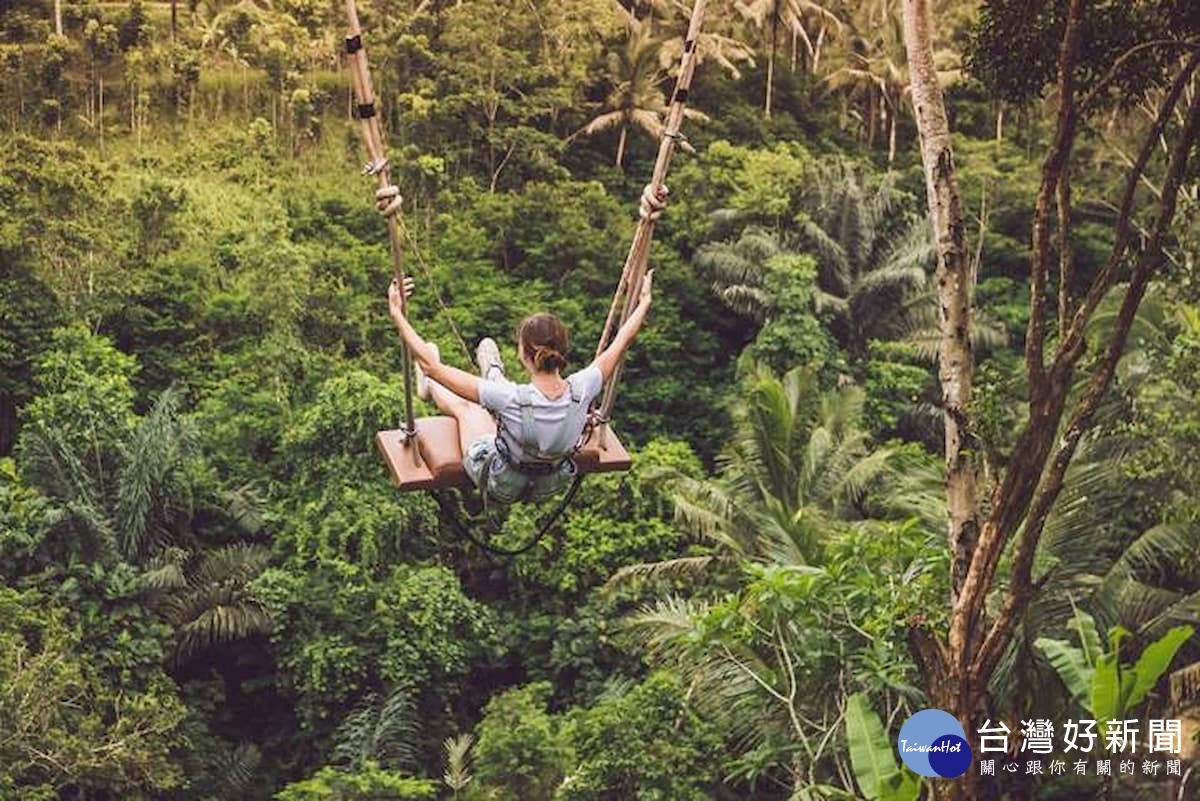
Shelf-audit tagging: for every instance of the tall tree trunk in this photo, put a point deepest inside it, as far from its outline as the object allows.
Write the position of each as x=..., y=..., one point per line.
x=101, y=115
x=892, y=113
x=872, y=118
x=958, y=669
x=621, y=146
x=58, y=25
x=174, y=12
x=955, y=360
x=949, y=684
x=771, y=60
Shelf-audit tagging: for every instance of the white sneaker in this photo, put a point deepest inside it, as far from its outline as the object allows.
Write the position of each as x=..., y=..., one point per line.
x=423, y=380
x=487, y=356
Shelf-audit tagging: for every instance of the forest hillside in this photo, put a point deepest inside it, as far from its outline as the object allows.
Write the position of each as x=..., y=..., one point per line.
x=913, y=415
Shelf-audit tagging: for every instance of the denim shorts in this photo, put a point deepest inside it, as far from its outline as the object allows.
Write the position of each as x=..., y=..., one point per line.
x=505, y=484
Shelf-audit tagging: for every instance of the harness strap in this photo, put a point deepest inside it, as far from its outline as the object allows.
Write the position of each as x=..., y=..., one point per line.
x=529, y=445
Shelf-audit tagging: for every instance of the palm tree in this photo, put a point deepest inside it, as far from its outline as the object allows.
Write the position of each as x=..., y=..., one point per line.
x=795, y=472
x=1090, y=560
x=794, y=16
x=737, y=270
x=130, y=497
x=206, y=596
x=767, y=659
x=135, y=502
x=872, y=263
x=873, y=69
x=636, y=99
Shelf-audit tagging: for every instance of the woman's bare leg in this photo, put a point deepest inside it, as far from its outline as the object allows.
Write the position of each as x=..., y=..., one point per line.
x=473, y=420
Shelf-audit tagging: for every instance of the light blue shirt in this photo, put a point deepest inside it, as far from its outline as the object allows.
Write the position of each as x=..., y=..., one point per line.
x=558, y=421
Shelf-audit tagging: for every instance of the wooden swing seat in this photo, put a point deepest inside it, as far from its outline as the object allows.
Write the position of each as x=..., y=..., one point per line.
x=440, y=462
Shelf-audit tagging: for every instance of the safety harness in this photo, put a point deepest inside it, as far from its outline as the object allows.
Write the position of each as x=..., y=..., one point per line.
x=535, y=463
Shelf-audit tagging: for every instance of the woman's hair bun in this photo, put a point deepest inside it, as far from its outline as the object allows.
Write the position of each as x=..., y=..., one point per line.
x=547, y=359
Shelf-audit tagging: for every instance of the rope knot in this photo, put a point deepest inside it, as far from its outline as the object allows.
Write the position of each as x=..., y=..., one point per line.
x=388, y=200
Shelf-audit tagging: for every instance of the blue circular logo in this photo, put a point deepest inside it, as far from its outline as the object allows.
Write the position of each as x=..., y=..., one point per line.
x=932, y=743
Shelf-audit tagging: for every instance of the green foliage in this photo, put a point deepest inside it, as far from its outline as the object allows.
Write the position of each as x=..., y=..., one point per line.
x=345, y=505
x=898, y=387
x=1109, y=30
x=872, y=756
x=58, y=215
x=617, y=519
x=341, y=633
x=644, y=745
x=84, y=390
x=1098, y=680
x=371, y=782
x=1163, y=370
x=380, y=731
x=793, y=333
x=523, y=752
x=30, y=314
x=789, y=640
x=797, y=467
x=73, y=720
x=26, y=517
x=187, y=207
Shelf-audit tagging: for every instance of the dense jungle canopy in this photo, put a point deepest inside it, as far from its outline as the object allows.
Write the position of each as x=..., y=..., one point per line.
x=209, y=588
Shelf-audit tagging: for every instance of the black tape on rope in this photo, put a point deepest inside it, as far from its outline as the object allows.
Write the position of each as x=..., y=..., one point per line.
x=689, y=45
x=681, y=95
x=366, y=111
x=353, y=44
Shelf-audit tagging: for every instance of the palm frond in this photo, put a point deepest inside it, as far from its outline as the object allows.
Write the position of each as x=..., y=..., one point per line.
x=237, y=771
x=896, y=278
x=679, y=567
x=458, y=761
x=854, y=482
x=213, y=617
x=164, y=572
x=380, y=730
x=833, y=265
x=753, y=302
x=148, y=487
x=604, y=122
x=986, y=335
x=55, y=466
x=236, y=563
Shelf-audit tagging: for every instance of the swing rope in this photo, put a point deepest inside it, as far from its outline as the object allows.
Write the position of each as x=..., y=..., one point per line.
x=629, y=286
x=389, y=203
x=437, y=295
x=387, y=196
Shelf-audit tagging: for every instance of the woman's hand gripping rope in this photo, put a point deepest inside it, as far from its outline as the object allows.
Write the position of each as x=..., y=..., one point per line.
x=395, y=300
x=654, y=200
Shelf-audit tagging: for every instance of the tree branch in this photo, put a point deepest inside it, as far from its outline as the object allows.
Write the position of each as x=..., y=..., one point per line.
x=1070, y=345
x=1086, y=101
x=1012, y=495
x=1048, y=491
x=1065, y=251
x=1052, y=169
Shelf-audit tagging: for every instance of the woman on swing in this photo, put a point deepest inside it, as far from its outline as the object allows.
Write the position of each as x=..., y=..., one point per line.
x=528, y=458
